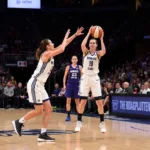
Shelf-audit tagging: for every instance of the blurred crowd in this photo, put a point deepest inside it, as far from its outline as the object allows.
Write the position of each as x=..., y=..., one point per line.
x=135, y=73
x=13, y=94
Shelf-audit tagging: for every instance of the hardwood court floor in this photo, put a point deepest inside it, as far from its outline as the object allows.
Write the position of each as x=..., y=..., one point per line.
x=120, y=135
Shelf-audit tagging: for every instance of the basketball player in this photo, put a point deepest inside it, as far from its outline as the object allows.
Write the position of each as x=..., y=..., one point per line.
x=35, y=86
x=90, y=79
x=73, y=72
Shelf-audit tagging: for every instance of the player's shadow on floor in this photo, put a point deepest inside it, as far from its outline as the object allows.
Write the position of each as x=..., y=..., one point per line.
x=32, y=132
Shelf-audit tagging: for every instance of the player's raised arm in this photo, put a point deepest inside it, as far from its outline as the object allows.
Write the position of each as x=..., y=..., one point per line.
x=84, y=42
x=102, y=52
x=65, y=77
x=78, y=33
x=58, y=50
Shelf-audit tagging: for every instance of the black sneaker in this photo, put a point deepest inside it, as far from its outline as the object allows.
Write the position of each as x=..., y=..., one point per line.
x=17, y=126
x=45, y=138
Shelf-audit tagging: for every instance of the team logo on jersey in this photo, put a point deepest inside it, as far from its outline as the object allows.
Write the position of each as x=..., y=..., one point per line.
x=38, y=100
x=115, y=104
x=8, y=133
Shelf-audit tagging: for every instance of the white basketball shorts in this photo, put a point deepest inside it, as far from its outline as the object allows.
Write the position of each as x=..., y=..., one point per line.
x=90, y=83
x=36, y=92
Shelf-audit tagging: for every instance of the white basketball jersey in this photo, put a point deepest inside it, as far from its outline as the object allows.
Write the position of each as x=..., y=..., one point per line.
x=43, y=70
x=90, y=64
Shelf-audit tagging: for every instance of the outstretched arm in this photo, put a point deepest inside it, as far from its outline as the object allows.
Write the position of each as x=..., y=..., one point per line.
x=58, y=50
x=83, y=45
x=78, y=33
x=103, y=51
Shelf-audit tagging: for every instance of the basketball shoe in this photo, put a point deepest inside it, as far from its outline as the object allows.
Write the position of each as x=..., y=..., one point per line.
x=102, y=127
x=78, y=126
x=43, y=137
x=17, y=126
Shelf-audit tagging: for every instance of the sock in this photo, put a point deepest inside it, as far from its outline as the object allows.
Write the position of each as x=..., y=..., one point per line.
x=43, y=130
x=68, y=112
x=22, y=120
x=80, y=117
x=101, y=117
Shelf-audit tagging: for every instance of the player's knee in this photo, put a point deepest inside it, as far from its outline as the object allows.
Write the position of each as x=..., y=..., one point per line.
x=48, y=110
x=99, y=103
x=83, y=103
x=68, y=101
x=39, y=111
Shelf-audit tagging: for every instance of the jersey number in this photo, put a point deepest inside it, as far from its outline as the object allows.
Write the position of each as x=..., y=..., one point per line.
x=90, y=63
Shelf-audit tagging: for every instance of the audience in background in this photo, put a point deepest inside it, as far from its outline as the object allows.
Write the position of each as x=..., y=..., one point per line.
x=13, y=81
x=9, y=95
x=127, y=89
x=62, y=92
x=146, y=88
x=56, y=90
x=118, y=88
x=19, y=96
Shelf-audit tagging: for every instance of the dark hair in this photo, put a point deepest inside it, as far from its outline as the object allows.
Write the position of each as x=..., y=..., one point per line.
x=94, y=39
x=74, y=56
x=41, y=48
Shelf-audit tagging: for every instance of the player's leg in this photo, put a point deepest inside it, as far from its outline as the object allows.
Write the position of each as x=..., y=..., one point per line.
x=43, y=137
x=68, y=108
x=77, y=97
x=77, y=102
x=106, y=103
x=35, y=97
x=68, y=102
x=96, y=92
x=17, y=124
x=99, y=104
x=83, y=92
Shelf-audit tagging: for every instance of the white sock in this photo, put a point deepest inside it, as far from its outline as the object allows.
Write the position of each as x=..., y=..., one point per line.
x=22, y=120
x=43, y=130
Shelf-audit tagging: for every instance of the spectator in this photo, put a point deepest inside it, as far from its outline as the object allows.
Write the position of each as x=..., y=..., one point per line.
x=9, y=95
x=62, y=92
x=142, y=88
x=136, y=89
x=146, y=88
x=127, y=89
x=108, y=91
x=118, y=88
x=19, y=96
x=110, y=88
x=13, y=81
x=3, y=80
x=56, y=90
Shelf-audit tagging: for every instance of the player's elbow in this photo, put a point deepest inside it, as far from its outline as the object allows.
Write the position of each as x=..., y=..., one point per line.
x=103, y=52
x=62, y=47
x=83, y=46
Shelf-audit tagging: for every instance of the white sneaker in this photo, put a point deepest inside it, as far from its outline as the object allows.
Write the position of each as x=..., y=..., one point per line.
x=106, y=113
x=102, y=127
x=78, y=126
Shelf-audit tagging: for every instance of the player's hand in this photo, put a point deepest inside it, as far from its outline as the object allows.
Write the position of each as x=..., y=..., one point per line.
x=64, y=87
x=90, y=29
x=102, y=35
x=79, y=31
x=67, y=34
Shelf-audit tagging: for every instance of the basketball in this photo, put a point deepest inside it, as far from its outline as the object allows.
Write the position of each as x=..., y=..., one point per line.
x=96, y=32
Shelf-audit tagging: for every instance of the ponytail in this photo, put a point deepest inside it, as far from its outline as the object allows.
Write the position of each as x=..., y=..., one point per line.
x=38, y=53
x=41, y=48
